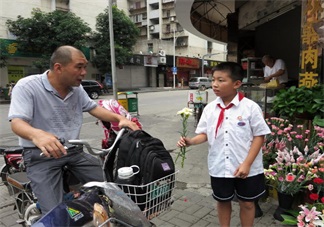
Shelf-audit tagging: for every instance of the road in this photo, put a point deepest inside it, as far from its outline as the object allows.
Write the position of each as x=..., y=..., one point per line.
x=193, y=205
x=158, y=116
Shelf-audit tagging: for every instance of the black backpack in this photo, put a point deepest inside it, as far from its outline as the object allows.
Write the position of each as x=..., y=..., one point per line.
x=155, y=162
x=141, y=149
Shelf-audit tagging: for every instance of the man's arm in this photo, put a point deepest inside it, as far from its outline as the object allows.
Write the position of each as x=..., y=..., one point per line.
x=106, y=115
x=46, y=142
x=275, y=75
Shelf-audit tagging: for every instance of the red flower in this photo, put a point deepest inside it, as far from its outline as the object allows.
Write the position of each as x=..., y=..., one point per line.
x=314, y=196
x=318, y=180
x=290, y=177
x=322, y=199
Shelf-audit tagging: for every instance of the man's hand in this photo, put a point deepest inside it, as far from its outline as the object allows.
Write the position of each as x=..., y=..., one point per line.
x=49, y=145
x=46, y=142
x=267, y=79
x=129, y=124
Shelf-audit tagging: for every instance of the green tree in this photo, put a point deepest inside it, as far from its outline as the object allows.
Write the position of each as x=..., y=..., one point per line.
x=44, y=32
x=125, y=36
x=3, y=55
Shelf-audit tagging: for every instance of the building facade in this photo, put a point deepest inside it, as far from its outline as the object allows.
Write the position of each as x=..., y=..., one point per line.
x=165, y=54
x=177, y=55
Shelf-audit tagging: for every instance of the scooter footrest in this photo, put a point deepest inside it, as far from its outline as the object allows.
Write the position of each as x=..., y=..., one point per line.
x=18, y=180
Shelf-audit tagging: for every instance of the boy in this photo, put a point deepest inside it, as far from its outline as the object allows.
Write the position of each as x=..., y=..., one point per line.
x=234, y=128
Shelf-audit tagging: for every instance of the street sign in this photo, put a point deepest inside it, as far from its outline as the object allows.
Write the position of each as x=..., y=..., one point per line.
x=174, y=70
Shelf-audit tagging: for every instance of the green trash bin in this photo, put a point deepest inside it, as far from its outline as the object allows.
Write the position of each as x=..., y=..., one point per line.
x=132, y=104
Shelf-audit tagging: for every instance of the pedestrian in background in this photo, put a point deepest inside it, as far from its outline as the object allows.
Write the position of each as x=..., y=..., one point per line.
x=11, y=86
x=48, y=107
x=234, y=128
x=275, y=69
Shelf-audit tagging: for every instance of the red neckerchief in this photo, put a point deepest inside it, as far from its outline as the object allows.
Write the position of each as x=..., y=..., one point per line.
x=221, y=114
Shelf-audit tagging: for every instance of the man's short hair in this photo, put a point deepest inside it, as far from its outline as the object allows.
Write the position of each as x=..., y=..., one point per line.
x=62, y=55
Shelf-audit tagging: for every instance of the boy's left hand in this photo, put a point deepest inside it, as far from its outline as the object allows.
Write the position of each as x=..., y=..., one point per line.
x=242, y=171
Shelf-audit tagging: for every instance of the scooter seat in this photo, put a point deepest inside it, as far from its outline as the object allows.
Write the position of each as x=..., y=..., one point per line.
x=18, y=180
x=11, y=149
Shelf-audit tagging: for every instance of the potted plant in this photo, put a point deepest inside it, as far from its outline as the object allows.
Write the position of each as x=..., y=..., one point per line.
x=301, y=102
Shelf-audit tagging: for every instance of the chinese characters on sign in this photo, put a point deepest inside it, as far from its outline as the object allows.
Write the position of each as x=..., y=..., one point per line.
x=15, y=73
x=309, y=55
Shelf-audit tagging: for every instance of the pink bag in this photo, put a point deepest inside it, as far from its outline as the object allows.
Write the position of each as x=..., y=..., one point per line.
x=109, y=127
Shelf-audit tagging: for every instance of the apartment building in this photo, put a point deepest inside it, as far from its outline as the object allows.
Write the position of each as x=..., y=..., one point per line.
x=20, y=64
x=165, y=54
x=174, y=54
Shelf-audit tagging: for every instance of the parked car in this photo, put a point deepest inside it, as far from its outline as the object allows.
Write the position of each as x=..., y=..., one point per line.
x=203, y=82
x=93, y=88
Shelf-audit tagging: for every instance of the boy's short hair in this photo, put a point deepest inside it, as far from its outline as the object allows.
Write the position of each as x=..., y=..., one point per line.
x=234, y=70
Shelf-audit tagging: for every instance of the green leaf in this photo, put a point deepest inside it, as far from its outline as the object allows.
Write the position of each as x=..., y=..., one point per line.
x=289, y=220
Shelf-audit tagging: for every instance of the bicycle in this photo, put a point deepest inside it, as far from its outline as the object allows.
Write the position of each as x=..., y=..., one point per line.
x=198, y=100
x=100, y=203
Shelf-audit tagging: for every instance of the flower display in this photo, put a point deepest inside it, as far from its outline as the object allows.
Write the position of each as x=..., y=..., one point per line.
x=286, y=136
x=288, y=175
x=275, y=140
x=184, y=114
x=293, y=157
x=310, y=217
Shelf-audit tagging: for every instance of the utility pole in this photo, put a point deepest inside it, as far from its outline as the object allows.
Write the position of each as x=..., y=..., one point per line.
x=203, y=61
x=112, y=50
x=174, y=56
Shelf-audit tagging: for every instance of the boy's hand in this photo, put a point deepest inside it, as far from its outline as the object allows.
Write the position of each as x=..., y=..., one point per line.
x=242, y=171
x=182, y=142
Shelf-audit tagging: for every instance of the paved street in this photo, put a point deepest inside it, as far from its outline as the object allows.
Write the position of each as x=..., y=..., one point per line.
x=193, y=204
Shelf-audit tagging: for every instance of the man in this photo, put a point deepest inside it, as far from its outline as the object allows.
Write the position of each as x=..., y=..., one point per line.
x=48, y=107
x=274, y=69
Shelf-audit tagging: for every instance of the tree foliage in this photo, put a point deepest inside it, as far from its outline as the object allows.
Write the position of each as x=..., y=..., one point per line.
x=125, y=36
x=44, y=32
x=3, y=55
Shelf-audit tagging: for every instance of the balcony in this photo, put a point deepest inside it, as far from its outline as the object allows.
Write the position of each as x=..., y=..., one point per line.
x=154, y=29
x=154, y=14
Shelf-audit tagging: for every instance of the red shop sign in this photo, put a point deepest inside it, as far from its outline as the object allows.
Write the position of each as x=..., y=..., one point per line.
x=188, y=63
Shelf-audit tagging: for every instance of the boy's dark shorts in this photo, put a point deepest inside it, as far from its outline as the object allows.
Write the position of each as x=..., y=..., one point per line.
x=248, y=189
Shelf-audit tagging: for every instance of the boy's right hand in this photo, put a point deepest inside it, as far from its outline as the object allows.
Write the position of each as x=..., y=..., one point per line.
x=182, y=142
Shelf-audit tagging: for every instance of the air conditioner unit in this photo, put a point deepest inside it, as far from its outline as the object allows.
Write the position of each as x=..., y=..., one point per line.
x=162, y=53
x=162, y=60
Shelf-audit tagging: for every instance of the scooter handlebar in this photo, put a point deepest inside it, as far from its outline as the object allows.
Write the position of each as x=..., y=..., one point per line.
x=99, y=151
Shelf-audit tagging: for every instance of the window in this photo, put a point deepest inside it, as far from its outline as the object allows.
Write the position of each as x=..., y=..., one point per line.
x=150, y=47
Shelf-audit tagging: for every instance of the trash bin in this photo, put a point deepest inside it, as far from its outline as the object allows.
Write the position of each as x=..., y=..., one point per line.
x=132, y=105
x=124, y=103
x=6, y=93
x=130, y=102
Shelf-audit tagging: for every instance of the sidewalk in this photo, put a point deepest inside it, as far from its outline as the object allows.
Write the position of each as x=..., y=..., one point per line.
x=189, y=209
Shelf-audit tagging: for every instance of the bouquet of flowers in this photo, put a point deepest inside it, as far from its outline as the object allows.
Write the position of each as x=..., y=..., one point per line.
x=275, y=140
x=286, y=136
x=288, y=175
x=184, y=113
x=310, y=217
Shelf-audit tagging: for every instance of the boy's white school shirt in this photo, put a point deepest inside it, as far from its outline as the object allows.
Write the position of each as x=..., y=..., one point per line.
x=232, y=143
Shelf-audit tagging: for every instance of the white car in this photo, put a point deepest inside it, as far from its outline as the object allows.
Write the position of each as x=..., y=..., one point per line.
x=200, y=82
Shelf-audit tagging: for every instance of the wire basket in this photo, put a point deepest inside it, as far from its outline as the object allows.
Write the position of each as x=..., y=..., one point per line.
x=152, y=198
